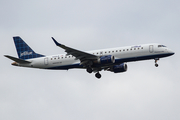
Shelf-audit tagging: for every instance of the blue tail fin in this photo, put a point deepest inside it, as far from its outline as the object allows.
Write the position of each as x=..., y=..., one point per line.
x=23, y=50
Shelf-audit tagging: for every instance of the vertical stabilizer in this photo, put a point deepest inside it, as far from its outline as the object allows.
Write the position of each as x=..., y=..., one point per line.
x=23, y=50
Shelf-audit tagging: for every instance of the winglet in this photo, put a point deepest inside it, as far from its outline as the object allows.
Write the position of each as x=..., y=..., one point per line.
x=58, y=44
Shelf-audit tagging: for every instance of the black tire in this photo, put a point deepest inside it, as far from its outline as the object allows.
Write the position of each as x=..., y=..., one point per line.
x=89, y=70
x=98, y=75
x=156, y=65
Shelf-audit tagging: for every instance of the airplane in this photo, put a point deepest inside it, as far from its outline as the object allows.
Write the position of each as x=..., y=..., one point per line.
x=112, y=59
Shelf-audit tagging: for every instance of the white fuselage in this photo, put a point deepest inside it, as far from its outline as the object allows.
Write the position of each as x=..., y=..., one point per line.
x=121, y=54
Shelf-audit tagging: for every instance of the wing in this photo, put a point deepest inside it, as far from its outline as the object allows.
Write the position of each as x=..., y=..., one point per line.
x=84, y=57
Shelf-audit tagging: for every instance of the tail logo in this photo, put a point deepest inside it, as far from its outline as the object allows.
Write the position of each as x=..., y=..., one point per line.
x=26, y=53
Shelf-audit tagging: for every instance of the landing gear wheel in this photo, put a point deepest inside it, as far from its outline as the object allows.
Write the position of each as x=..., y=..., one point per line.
x=156, y=59
x=98, y=75
x=156, y=65
x=89, y=70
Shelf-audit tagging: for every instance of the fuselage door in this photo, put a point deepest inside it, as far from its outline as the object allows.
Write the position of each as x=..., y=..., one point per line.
x=46, y=61
x=151, y=48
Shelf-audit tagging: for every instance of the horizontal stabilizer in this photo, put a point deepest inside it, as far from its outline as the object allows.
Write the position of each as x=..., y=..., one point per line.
x=17, y=59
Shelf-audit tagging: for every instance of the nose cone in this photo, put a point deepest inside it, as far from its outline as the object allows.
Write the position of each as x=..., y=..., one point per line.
x=171, y=52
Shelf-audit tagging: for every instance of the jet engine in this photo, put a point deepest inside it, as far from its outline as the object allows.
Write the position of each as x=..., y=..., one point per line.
x=106, y=59
x=119, y=68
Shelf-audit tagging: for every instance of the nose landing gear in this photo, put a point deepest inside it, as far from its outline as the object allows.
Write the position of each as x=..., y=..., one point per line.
x=156, y=59
x=156, y=65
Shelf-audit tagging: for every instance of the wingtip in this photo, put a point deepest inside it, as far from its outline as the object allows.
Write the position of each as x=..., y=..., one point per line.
x=58, y=44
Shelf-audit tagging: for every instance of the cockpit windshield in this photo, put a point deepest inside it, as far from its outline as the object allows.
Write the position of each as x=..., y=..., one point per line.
x=161, y=46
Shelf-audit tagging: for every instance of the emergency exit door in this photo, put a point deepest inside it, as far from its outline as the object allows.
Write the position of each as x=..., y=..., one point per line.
x=46, y=61
x=151, y=48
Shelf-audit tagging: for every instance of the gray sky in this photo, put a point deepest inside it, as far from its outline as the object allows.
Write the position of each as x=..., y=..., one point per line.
x=142, y=93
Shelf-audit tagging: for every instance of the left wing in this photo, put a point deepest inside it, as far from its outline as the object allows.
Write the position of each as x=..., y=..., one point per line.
x=84, y=57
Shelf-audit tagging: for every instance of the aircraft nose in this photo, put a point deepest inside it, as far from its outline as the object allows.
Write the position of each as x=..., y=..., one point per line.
x=171, y=52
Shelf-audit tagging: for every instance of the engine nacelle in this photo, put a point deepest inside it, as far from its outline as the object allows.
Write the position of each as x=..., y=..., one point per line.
x=106, y=59
x=119, y=68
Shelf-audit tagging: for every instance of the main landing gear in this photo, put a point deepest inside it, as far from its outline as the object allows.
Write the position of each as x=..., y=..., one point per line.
x=98, y=75
x=156, y=59
x=90, y=70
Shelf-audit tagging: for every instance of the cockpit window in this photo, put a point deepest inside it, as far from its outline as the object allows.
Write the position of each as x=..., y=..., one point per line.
x=161, y=46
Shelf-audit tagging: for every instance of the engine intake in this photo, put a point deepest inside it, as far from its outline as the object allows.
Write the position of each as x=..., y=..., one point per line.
x=106, y=59
x=119, y=68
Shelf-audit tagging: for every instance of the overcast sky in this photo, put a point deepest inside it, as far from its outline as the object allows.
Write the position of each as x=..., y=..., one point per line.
x=144, y=92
